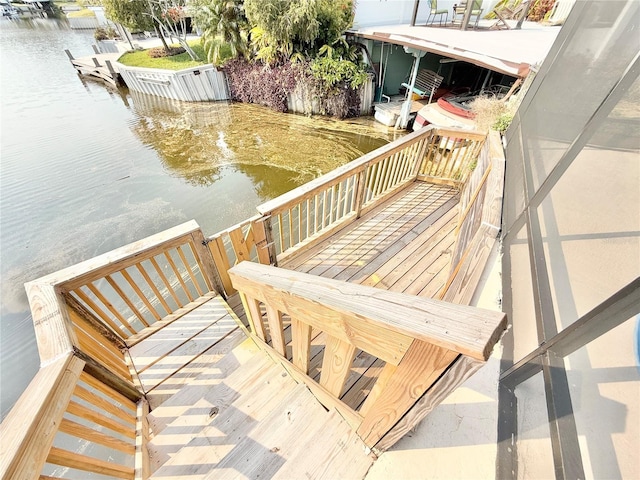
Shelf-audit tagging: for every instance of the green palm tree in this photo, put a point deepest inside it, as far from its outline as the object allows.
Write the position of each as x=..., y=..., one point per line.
x=222, y=22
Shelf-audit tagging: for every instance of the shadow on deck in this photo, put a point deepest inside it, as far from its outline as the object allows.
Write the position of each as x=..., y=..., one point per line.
x=333, y=369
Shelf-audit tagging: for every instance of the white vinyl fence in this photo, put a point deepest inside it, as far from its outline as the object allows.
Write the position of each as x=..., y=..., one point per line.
x=197, y=84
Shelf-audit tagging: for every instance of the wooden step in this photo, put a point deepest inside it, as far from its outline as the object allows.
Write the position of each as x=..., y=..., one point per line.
x=266, y=425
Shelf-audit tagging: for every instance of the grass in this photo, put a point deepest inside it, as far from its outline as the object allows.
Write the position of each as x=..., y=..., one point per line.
x=81, y=13
x=176, y=62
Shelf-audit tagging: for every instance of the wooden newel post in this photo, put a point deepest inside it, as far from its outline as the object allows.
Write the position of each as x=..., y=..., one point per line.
x=271, y=246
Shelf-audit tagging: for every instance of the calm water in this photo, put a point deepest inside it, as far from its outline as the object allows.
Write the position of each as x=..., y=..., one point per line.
x=85, y=169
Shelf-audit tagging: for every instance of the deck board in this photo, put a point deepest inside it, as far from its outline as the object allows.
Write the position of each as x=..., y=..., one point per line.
x=183, y=349
x=404, y=245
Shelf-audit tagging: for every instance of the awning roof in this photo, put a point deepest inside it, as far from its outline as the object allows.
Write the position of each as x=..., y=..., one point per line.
x=506, y=51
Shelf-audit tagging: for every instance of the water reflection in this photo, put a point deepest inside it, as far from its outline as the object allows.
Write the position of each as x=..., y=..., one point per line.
x=194, y=140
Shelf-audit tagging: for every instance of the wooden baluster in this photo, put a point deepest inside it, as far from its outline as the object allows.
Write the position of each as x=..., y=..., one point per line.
x=190, y=272
x=308, y=208
x=102, y=315
x=324, y=207
x=80, y=431
x=141, y=295
x=239, y=245
x=103, y=404
x=403, y=386
x=153, y=287
x=178, y=276
x=274, y=319
x=339, y=209
x=301, y=344
x=336, y=364
x=283, y=247
x=166, y=282
x=254, y=315
x=86, y=413
x=126, y=299
x=316, y=201
x=98, y=294
x=65, y=458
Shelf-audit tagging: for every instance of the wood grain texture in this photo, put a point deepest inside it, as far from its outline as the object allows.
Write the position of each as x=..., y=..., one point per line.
x=420, y=368
x=29, y=429
x=141, y=459
x=359, y=314
x=336, y=364
x=75, y=429
x=65, y=458
x=274, y=319
x=459, y=371
x=301, y=344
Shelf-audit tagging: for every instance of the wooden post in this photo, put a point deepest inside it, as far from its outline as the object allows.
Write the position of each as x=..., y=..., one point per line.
x=210, y=270
x=360, y=189
x=96, y=62
x=268, y=233
x=96, y=50
x=69, y=55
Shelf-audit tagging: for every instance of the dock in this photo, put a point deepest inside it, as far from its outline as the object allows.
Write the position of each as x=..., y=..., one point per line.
x=99, y=65
x=301, y=343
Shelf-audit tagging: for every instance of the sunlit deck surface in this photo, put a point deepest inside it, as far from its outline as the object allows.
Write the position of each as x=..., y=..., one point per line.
x=404, y=245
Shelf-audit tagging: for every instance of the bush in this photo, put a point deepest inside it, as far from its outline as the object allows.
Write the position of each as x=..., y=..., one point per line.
x=253, y=82
x=102, y=33
x=159, y=52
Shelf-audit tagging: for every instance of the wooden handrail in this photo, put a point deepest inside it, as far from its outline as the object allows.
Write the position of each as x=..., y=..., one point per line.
x=28, y=431
x=417, y=338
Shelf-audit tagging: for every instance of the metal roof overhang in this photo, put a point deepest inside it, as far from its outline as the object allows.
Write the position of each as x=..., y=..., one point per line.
x=506, y=67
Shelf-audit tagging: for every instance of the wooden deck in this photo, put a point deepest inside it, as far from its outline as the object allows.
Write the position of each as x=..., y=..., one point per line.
x=98, y=65
x=333, y=368
x=404, y=245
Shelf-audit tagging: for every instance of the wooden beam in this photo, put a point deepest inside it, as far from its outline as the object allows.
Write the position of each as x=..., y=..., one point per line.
x=28, y=431
x=141, y=462
x=457, y=373
x=65, y=458
x=301, y=344
x=420, y=368
x=378, y=322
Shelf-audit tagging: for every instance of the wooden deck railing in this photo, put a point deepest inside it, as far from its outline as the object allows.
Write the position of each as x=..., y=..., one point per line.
x=427, y=346
x=64, y=407
x=85, y=318
x=312, y=212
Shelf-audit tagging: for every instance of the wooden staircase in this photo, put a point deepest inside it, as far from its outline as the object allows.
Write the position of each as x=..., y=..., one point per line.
x=257, y=422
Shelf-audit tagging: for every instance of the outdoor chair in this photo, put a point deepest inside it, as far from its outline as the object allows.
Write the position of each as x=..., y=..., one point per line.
x=511, y=11
x=433, y=12
x=427, y=82
x=459, y=9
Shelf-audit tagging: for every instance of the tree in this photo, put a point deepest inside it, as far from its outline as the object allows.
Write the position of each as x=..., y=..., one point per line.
x=286, y=29
x=222, y=21
x=132, y=14
x=170, y=16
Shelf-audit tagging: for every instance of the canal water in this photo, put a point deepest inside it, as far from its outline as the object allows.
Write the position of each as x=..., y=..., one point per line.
x=85, y=169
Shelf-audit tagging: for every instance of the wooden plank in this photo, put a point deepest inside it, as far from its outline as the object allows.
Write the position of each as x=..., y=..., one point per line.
x=173, y=336
x=154, y=288
x=103, y=404
x=353, y=418
x=85, y=413
x=102, y=315
x=334, y=452
x=80, y=315
x=388, y=371
x=108, y=391
x=239, y=246
x=376, y=320
x=420, y=368
x=102, y=299
x=274, y=319
x=64, y=458
x=169, y=319
x=301, y=342
x=211, y=273
x=458, y=372
x=142, y=297
x=336, y=364
x=141, y=459
x=77, y=430
x=166, y=366
x=188, y=374
x=166, y=282
x=311, y=188
x=178, y=275
x=219, y=254
x=254, y=314
x=29, y=429
x=95, y=350
x=188, y=268
x=361, y=388
x=52, y=325
x=102, y=335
